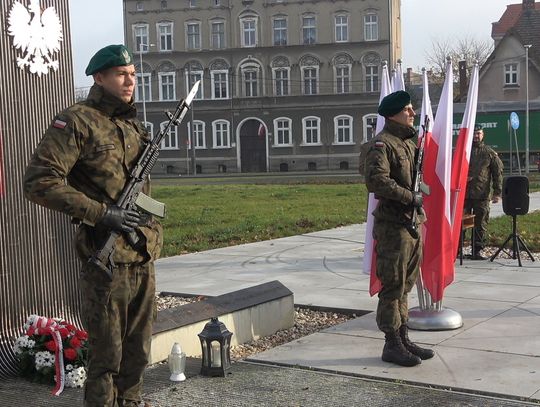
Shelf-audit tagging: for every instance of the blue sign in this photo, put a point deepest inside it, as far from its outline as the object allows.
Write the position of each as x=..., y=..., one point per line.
x=514, y=120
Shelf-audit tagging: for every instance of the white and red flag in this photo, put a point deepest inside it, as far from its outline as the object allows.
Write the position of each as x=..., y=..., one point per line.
x=369, y=247
x=438, y=259
x=460, y=162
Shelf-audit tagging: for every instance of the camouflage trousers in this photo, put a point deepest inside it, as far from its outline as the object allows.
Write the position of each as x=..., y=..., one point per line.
x=118, y=316
x=480, y=208
x=398, y=261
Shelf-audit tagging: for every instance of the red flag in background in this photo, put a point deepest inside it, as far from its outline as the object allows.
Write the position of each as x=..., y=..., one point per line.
x=460, y=162
x=261, y=132
x=438, y=259
x=370, y=257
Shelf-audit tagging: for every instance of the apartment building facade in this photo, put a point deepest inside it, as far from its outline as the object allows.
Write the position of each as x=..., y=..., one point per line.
x=286, y=85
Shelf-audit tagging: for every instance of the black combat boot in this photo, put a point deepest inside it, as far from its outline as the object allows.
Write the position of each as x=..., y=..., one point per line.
x=395, y=352
x=422, y=353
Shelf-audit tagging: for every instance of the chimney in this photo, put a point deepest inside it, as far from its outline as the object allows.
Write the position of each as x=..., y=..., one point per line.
x=408, y=77
x=528, y=4
x=462, y=79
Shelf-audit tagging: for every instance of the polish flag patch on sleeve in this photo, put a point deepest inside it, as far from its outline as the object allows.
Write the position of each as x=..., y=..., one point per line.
x=379, y=144
x=59, y=124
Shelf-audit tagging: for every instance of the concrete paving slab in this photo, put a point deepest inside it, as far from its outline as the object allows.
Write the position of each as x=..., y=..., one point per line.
x=494, y=334
x=486, y=291
x=454, y=368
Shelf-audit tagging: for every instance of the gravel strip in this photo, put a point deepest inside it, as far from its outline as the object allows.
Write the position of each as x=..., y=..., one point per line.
x=306, y=322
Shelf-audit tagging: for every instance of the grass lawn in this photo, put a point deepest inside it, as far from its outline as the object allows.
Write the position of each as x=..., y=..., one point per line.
x=202, y=217
x=528, y=227
x=210, y=215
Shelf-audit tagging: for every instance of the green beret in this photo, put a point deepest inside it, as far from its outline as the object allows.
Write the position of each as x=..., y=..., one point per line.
x=394, y=103
x=478, y=127
x=111, y=55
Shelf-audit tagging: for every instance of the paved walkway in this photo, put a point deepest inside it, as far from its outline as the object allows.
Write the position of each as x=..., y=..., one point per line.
x=496, y=352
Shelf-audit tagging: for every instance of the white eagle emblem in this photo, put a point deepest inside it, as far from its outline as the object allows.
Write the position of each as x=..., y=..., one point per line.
x=37, y=35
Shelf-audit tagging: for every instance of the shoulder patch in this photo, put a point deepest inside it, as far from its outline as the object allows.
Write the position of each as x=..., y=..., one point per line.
x=379, y=144
x=59, y=124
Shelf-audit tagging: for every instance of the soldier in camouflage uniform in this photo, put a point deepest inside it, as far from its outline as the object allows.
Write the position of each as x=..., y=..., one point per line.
x=485, y=173
x=389, y=164
x=80, y=168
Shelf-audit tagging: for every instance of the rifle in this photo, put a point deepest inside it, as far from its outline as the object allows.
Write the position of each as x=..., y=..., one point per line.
x=131, y=194
x=418, y=185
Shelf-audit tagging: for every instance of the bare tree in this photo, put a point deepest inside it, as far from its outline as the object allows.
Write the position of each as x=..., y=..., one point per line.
x=468, y=49
x=81, y=94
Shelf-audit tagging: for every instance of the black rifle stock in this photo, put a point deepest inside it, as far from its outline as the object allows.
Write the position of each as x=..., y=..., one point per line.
x=138, y=176
x=417, y=178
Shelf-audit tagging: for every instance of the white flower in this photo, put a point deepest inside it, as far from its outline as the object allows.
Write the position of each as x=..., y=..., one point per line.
x=69, y=368
x=76, y=377
x=44, y=359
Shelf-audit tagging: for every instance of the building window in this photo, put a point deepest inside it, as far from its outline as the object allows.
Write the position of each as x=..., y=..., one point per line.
x=372, y=78
x=511, y=75
x=166, y=86
x=220, y=132
x=282, y=132
x=280, y=31
x=145, y=79
x=220, y=84
x=343, y=79
x=371, y=27
x=251, y=83
x=311, y=130
x=193, y=35
x=198, y=129
x=217, y=3
x=343, y=129
x=309, y=30
x=218, y=35
x=342, y=28
x=310, y=80
x=140, y=32
x=140, y=6
x=170, y=141
x=192, y=3
x=249, y=32
x=370, y=126
x=281, y=81
x=191, y=78
x=163, y=4
x=165, y=33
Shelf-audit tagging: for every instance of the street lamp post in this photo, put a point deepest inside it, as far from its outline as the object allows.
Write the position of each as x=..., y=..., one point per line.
x=527, y=108
x=141, y=45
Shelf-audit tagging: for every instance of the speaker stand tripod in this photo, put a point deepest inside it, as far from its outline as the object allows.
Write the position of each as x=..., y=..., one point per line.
x=516, y=242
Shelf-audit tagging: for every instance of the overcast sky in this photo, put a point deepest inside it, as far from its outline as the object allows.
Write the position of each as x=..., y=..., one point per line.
x=97, y=23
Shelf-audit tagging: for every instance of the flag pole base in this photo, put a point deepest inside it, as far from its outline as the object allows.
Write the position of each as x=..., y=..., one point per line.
x=431, y=320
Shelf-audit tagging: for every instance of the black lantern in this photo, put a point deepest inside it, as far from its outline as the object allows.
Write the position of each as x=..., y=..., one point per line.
x=216, y=348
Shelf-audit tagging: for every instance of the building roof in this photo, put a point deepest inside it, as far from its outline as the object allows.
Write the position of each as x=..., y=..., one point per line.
x=508, y=20
x=527, y=29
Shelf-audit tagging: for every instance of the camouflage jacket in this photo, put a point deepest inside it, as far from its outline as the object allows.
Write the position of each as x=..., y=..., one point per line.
x=485, y=172
x=82, y=164
x=389, y=166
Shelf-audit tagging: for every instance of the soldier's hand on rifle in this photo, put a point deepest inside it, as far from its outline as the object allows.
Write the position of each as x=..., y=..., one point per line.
x=417, y=199
x=120, y=220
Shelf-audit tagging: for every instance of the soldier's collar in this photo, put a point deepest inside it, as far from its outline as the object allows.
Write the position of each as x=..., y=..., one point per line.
x=400, y=130
x=102, y=100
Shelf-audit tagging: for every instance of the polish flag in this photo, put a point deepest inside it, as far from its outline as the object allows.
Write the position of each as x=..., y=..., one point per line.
x=438, y=259
x=369, y=247
x=462, y=154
